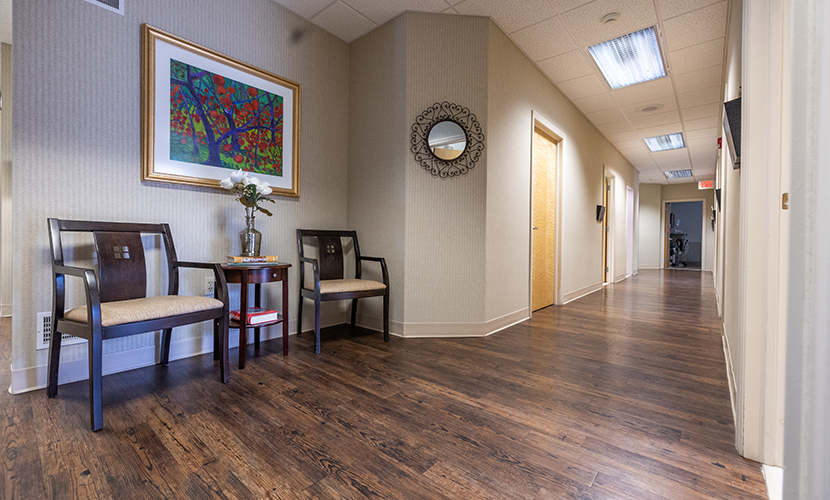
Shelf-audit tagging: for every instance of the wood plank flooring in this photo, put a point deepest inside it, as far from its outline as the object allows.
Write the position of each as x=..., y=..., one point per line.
x=619, y=395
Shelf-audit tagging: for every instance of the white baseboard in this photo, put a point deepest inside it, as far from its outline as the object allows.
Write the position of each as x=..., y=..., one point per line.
x=6, y=310
x=578, y=294
x=446, y=330
x=619, y=278
x=654, y=268
x=774, y=477
x=730, y=376
x=33, y=378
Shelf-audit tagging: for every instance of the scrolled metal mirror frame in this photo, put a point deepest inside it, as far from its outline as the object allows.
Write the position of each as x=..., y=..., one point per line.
x=437, y=113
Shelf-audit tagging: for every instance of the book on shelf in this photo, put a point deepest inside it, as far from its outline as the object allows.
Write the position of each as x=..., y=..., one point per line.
x=239, y=259
x=257, y=315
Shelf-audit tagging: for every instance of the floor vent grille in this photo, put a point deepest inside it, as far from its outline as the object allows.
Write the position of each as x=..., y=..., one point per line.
x=111, y=5
x=44, y=333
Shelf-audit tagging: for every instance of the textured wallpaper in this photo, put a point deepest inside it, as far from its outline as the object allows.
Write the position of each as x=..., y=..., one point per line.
x=77, y=138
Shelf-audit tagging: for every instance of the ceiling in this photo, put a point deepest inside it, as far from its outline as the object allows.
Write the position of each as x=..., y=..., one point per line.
x=555, y=35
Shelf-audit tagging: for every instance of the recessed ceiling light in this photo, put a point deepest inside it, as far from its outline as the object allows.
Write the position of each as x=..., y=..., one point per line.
x=650, y=108
x=629, y=59
x=678, y=174
x=610, y=18
x=665, y=142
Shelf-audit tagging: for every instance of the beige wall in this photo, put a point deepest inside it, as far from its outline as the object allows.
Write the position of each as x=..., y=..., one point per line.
x=517, y=90
x=76, y=139
x=651, y=228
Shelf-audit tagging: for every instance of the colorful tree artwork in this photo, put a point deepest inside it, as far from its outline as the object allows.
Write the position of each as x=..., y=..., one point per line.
x=220, y=122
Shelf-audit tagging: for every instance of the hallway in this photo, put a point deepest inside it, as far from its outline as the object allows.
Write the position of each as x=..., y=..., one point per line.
x=619, y=395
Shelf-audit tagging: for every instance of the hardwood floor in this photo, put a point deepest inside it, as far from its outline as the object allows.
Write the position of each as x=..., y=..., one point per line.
x=619, y=395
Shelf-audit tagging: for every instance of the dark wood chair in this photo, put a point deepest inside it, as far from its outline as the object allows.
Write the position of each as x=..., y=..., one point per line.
x=116, y=299
x=326, y=281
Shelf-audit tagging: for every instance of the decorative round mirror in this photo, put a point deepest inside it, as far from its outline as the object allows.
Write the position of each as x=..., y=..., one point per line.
x=447, y=140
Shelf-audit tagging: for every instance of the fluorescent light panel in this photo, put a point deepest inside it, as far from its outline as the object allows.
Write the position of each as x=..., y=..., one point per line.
x=629, y=59
x=665, y=142
x=678, y=174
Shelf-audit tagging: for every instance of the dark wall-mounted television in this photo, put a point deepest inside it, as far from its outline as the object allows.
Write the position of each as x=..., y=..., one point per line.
x=732, y=127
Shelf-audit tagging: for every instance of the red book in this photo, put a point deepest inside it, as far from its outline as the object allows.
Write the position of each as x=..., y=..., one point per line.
x=257, y=315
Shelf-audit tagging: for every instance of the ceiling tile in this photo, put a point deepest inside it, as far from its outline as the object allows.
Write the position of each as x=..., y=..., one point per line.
x=704, y=144
x=659, y=130
x=668, y=164
x=566, y=5
x=701, y=123
x=510, y=15
x=673, y=8
x=586, y=28
x=706, y=111
x=655, y=119
x=695, y=27
x=305, y=8
x=567, y=66
x=642, y=92
x=709, y=95
x=584, y=86
x=697, y=57
x=343, y=22
x=631, y=145
x=628, y=135
x=613, y=128
x=544, y=40
x=595, y=103
x=605, y=116
x=380, y=12
x=704, y=133
x=700, y=79
x=668, y=103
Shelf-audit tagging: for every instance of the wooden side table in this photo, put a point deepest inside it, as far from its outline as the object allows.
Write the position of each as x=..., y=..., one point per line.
x=256, y=274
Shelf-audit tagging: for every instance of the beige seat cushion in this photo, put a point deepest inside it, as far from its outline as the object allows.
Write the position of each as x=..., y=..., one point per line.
x=340, y=286
x=134, y=310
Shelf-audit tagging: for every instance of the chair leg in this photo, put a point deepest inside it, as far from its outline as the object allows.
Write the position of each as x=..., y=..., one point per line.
x=354, y=311
x=96, y=412
x=54, y=363
x=300, y=315
x=224, y=361
x=316, y=327
x=217, y=341
x=165, y=345
x=386, y=317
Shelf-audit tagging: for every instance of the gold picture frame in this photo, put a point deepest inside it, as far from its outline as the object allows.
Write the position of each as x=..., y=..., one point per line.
x=205, y=115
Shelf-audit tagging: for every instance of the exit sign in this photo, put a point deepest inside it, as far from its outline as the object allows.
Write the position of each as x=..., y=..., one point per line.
x=705, y=184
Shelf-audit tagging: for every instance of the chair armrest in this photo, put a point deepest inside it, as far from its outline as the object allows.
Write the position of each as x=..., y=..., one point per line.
x=315, y=267
x=382, y=267
x=90, y=290
x=222, y=288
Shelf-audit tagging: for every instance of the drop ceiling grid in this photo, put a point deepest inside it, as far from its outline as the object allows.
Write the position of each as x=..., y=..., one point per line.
x=555, y=35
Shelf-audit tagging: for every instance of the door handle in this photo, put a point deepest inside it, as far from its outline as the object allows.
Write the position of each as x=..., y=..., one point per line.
x=535, y=228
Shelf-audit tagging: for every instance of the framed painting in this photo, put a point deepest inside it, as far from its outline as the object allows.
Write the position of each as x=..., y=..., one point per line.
x=205, y=115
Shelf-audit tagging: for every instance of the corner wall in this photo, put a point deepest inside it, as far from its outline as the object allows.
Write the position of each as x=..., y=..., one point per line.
x=77, y=137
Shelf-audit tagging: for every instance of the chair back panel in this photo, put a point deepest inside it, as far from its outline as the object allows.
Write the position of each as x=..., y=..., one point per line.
x=330, y=250
x=122, y=272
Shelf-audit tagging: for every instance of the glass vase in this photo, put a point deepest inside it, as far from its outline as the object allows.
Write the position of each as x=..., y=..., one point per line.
x=249, y=239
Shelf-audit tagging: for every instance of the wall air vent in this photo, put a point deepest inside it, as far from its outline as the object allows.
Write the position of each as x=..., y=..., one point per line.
x=44, y=332
x=111, y=5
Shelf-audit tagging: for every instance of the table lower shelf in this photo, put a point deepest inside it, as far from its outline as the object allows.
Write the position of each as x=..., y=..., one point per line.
x=235, y=324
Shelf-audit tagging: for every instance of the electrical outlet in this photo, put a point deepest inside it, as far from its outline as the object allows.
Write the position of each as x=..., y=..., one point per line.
x=210, y=286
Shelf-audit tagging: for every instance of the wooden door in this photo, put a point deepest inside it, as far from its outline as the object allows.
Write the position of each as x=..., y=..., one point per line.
x=543, y=272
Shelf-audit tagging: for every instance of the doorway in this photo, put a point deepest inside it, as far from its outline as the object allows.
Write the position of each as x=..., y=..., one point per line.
x=607, y=202
x=546, y=150
x=684, y=235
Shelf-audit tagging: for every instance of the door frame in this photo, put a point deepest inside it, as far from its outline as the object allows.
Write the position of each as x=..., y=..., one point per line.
x=703, y=221
x=539, y=121
x=608, y=237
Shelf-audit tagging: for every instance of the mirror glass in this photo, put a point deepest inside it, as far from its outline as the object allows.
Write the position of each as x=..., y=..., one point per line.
x=447, y=140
